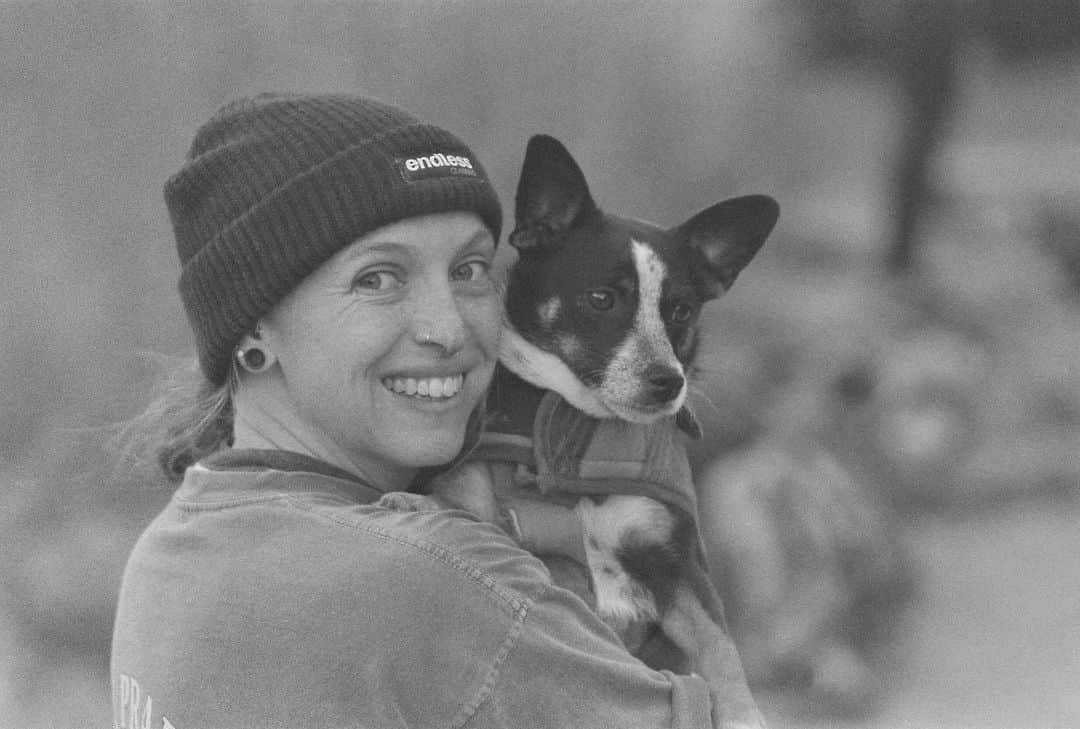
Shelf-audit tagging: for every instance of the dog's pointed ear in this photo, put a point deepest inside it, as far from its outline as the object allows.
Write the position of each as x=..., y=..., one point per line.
x=727, y=235
x=551, y=195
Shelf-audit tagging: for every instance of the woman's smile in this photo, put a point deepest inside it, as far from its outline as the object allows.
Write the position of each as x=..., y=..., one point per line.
x=434, y=388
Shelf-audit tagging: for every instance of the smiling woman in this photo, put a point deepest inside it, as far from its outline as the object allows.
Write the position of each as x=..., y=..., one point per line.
x=411, y=306
x=336, y=256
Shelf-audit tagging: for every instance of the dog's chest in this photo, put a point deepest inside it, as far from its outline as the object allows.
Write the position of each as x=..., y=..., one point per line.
x=564, y=454
x=629, y=484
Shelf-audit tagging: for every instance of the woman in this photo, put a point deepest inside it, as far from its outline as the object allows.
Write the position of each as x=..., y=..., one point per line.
x=336, y=258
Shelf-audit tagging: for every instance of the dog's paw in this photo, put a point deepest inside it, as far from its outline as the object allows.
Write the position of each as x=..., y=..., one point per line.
x=616, y=531
x=404, y=501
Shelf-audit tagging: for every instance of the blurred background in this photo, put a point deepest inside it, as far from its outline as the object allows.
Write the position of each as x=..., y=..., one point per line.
x=891, y=392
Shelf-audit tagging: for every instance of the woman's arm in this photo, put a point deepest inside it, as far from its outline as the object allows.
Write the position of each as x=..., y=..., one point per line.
x=568, y=669
x=540, y=656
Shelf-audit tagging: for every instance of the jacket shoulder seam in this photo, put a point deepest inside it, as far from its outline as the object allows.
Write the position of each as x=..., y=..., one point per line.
x=517, y=605
x=486, y=692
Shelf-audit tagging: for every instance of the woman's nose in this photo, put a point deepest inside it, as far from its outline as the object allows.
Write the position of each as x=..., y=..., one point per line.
x=437, y=319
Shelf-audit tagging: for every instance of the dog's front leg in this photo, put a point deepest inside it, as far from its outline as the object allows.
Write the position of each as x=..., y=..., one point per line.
x=712, y=654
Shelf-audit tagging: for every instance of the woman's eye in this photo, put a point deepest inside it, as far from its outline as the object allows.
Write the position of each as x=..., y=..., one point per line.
x=601, y=299
x=377, y=281
x=680, y=313
x=470, y=271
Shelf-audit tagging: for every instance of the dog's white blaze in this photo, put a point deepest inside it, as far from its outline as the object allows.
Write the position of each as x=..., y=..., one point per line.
x=651, y=272
x=647, y=343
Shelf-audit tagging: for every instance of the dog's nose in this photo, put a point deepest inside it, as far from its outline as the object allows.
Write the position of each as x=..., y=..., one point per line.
x=665, y=382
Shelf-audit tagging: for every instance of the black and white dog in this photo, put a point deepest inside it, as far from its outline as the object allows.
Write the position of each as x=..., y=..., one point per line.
x=603, y=310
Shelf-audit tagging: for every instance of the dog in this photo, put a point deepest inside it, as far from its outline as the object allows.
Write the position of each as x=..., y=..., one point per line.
x=586, y=406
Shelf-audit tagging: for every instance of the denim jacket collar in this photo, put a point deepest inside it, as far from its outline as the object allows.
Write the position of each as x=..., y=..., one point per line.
x=274, y=470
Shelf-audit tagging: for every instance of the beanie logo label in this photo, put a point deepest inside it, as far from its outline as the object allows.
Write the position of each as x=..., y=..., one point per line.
x=424, y=167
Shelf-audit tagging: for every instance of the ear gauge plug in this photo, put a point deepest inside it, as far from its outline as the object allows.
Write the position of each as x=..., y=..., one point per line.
x=252, y=359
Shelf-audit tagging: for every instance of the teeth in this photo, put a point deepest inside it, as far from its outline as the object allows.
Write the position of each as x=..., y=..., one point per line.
x=433, y=387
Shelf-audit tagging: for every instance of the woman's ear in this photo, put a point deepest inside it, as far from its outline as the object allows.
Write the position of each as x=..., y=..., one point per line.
x=254, y=338
x=254, y=354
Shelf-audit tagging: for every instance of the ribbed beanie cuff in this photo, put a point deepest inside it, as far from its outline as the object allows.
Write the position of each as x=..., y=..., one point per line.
x=276, y=185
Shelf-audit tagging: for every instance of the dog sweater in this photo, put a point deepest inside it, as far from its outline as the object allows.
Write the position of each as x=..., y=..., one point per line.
x=561, y=455
x=566, y=454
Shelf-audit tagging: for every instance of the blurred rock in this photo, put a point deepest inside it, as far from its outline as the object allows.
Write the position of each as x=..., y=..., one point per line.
x=1012, y=466
x=918, y=417
x=9, y=653
x=62, y=694
x=813, y=570
x=62, y=588
x=1059, y=233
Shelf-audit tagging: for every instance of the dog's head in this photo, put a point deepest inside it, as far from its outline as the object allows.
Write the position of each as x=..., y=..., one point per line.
x=615, y=300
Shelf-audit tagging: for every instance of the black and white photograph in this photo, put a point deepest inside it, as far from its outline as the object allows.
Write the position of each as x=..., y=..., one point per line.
x=491, y=364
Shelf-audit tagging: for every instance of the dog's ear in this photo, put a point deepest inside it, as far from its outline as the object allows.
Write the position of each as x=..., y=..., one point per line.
x=551, y=195
x=726, y=236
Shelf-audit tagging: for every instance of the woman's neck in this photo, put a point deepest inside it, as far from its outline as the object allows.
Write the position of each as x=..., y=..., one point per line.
x=262, y=421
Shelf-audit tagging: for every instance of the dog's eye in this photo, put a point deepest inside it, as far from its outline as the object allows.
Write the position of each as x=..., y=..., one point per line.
x=602, y=299
x=680, y=313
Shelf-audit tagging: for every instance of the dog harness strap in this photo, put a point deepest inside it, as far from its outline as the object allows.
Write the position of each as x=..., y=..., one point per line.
x=494, y=446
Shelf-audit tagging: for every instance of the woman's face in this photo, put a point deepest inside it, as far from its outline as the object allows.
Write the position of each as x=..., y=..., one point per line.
x=388, y=347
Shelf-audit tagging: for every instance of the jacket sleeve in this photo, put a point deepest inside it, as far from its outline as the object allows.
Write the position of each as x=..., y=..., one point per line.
x=568, y=669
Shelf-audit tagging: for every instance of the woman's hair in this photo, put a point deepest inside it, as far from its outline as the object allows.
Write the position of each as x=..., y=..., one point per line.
x=188, y=418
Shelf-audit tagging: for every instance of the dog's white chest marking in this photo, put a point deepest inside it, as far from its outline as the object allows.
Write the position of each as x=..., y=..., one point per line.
x=569, y=345
x=548, y=311
x=620, y=599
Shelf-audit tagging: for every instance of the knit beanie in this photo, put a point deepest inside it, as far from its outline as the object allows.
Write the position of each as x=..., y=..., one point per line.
x=275, y=185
